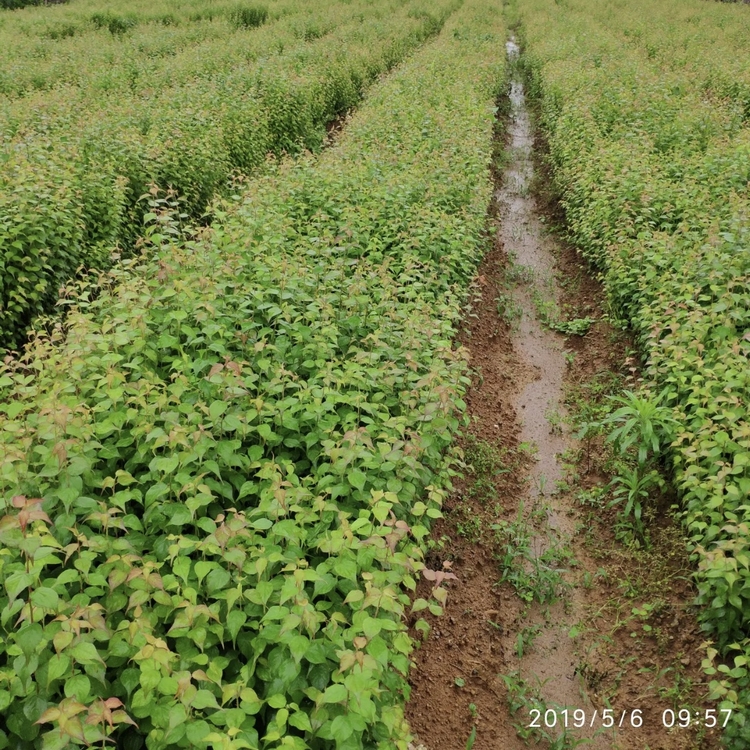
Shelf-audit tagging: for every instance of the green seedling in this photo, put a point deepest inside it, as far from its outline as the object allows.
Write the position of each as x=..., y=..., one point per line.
x=508, y=309
x=642, y=423
x=487, y=465
x=535, y=577
x=525, y=639
x=550, y=316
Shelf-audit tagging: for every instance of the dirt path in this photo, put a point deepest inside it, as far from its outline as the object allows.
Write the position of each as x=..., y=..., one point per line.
x=552, y=621
x=550, y=665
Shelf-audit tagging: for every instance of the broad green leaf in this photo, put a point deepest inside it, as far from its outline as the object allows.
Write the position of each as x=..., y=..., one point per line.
x=357, y=479
x=45, y=598
x=78, y=687
x=235, y=620
x=29, y=638
x=84, y=653
x=277, y=701
x=298, y=645
x=57, y=666
x=204, y=699
x=16, y=583
x=216, y=409
x=335, y=694
x=341, y=728
x=300, y=720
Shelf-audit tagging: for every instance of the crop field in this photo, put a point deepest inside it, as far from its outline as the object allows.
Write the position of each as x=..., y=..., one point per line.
x=99, y=105
x=239, y=437
x=245, y=327
x=650, y=146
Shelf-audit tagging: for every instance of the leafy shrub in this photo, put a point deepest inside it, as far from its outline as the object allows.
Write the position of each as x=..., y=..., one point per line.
x=167, y=19
x=62, y=31
x=193, y=140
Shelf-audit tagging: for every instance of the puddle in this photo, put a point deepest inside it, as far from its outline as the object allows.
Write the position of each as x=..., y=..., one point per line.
x=550, y=665
x=539, y=405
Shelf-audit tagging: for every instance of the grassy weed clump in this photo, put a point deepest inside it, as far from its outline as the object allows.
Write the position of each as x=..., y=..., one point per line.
x=114, y=23
x=536, y=576
x=487, y=464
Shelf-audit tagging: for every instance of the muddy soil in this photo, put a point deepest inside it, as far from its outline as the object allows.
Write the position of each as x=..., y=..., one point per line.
x=553, y=620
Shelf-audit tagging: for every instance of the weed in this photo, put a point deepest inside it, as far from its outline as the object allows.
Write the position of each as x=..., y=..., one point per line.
x=640, y=430
x=487, y=464
x=527, y=449
x=520, y=696
x=540, y=484
x=116, y=25
x=527, y=698
x=555, y=420
x=536, y=578
x=525, y=639
x=470, y=529
x=508, y=309
x=631, y=587
x=641, y=422
x=550, y=316
x=501, y=157
x=438, y=544
x=680, y=689
x=248, y=16
x=519, y=274
x=631, y=488
x=575, y=326
x=593, y=497
x=588, y=579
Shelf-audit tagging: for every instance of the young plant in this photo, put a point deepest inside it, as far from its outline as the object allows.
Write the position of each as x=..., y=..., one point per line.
x=641, y=422
x=640, y=430
x=535, y=577
x=525, y=639
x=631, y=489
x=508, y=309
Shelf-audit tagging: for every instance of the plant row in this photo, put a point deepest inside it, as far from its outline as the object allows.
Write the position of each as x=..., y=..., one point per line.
x=72, y=182
x=91, y=49
x=653, y=171
x=723, y=76
x=217, y=481
x=16, y=4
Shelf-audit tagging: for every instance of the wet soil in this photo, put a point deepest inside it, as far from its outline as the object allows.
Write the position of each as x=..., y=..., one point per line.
x=553, y=619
